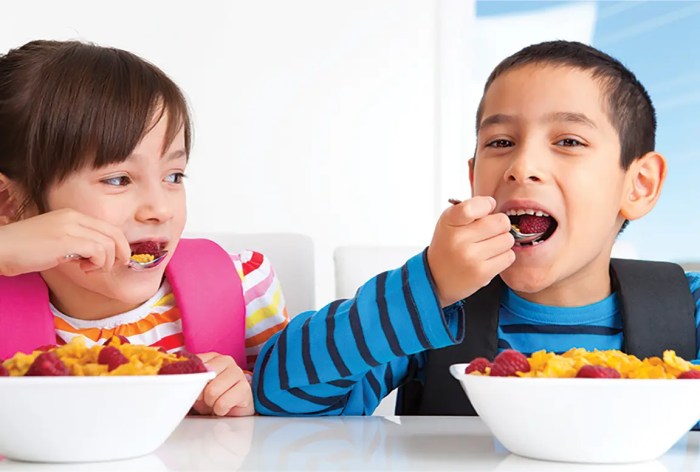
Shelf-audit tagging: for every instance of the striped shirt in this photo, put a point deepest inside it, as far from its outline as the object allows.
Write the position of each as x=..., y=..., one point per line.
x=346, y=357
x=157, y=321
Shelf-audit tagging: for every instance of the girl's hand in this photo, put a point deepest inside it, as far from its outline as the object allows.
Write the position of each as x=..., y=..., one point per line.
x=229, y=393
x=42, y=242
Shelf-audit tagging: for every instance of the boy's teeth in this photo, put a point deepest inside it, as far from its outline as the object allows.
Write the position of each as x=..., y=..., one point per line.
x=526, y=212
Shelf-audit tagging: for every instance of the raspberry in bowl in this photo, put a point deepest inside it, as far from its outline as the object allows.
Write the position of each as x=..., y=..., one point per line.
x=581, y=406
x=75, y=403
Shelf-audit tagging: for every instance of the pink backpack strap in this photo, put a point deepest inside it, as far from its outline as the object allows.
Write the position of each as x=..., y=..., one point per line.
x=209, y=293
x=26, y=321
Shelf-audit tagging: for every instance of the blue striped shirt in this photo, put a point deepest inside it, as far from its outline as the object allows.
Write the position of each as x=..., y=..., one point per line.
x=346, y=357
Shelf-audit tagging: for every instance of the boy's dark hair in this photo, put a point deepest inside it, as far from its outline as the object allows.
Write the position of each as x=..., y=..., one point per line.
x=629, y=107
x=65, y=105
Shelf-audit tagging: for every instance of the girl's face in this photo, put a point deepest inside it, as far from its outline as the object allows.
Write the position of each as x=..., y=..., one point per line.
x=145, y=198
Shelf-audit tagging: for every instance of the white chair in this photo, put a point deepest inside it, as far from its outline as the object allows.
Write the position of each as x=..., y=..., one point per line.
x=355, y=265
x=291, y=256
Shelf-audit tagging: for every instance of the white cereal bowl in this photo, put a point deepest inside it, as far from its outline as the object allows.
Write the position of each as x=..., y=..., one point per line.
x=584, y=420
x=82, y=419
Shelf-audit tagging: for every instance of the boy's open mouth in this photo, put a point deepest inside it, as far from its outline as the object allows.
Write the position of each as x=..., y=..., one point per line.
x=146, y=251
x=531, y=227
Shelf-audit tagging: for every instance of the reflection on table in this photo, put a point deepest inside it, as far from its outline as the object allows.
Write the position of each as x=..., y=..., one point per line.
x=350, y=443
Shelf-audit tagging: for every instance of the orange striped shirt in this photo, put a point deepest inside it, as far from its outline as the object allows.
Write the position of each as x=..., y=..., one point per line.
x=157, y=322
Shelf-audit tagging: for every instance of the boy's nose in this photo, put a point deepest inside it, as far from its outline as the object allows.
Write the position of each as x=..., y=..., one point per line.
x=525, y=168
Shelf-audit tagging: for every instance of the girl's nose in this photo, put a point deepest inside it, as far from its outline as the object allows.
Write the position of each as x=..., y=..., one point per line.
x=154, y=206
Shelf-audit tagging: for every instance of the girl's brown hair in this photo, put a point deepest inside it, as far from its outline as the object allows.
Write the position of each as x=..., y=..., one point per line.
x=65, y=105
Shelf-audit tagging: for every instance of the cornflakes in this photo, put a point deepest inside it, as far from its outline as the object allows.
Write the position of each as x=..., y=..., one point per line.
x=568, y=364
x=81, y=360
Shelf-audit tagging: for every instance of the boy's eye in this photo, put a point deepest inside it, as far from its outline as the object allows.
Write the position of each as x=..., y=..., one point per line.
x=500, y=143
x=569, y=142
x=119, y=181
x=175, y=178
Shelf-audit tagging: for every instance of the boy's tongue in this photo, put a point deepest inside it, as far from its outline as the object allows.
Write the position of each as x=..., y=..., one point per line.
x=530, y=224
x=146, y=247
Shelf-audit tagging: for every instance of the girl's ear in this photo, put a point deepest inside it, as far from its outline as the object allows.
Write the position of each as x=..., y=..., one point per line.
x=643, y=182
x=10, y=199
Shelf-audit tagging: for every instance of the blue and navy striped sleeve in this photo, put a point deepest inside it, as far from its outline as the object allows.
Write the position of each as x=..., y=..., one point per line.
x=694, y=283
x=344, y=358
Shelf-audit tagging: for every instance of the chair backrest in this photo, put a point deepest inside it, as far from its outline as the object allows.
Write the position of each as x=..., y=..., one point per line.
x=355, y=265
x=291, y=256
x=690, y=266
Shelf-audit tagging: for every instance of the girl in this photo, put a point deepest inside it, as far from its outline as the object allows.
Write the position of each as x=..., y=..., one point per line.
x=93, y=148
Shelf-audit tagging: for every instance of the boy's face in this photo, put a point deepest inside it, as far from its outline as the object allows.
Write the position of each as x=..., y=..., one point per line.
x=545, y=143
x=144, y=197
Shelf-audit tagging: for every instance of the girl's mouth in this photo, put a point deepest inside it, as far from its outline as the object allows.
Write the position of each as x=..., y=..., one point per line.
x=146, y=251
x=531, y=227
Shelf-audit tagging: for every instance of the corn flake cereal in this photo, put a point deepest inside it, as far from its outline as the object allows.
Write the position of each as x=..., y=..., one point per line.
x=81, y=360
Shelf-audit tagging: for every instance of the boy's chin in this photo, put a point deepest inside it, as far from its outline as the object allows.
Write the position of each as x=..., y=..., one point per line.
x=525, y=281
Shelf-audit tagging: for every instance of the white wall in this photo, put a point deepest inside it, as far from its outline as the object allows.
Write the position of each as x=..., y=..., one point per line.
x=347, y=120
x=311, y=116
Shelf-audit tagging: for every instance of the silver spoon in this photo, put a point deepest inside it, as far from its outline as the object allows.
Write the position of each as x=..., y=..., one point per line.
x=135, y=265
x=524, y=237
x=139, y=266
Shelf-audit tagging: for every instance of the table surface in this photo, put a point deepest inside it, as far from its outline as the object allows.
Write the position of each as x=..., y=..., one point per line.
x=350, y=443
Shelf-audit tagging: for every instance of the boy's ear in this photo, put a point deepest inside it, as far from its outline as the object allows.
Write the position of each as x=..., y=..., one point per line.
x=471, y=174
x=643, y=182
x=9, y=200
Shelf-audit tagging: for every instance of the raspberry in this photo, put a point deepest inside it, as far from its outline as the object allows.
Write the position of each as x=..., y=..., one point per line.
x=3, y=371
x=45, y=347
x=530, y=224
x=597, y=372
x=111, y=357
x=146, y=247
x=191, y=365
x=690, y=374
x=47, y=364
x=113, y=340
x=507, y=363
x=478, y=365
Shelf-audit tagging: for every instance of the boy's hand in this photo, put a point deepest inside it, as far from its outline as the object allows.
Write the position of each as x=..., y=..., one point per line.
x=470, y=247
x=43, y=242
x=229, y=393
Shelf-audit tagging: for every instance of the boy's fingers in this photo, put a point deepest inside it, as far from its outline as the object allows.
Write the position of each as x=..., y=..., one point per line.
x=469, y=210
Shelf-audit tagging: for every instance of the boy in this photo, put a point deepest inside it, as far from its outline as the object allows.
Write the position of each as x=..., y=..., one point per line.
x=565, y=152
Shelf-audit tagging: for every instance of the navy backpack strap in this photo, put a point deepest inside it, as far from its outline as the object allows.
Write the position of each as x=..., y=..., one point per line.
x=658, y=311
x=441, y=394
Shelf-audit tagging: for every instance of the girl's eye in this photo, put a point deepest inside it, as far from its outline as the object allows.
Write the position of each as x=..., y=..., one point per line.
x=500, y=143
x=175, y=178
x=119, y=181
x=569, y=142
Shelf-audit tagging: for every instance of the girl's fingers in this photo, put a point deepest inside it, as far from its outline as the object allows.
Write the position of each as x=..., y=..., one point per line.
x=238, y=396
x=221, y=383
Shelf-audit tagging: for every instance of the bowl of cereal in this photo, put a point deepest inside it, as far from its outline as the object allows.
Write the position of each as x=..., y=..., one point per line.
x=75, y=403
x=591, y=407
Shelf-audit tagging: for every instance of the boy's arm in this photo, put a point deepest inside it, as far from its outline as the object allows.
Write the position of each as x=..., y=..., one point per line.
x=344, y=358
x=694, y=283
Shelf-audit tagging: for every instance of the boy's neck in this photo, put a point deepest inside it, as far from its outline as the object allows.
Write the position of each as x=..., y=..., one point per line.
x=589, y=285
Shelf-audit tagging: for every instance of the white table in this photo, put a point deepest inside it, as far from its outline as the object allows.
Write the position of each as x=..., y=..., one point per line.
x=349, y=443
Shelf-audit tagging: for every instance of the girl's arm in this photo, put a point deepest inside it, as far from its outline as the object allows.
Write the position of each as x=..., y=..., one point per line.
x=344, y=358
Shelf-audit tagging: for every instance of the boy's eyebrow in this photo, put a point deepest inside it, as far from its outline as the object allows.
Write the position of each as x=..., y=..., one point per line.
x=570, y=117
x=500, y=118
x=496, y=119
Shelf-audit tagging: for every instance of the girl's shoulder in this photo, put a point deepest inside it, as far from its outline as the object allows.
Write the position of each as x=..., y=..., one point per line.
x=251, y=264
